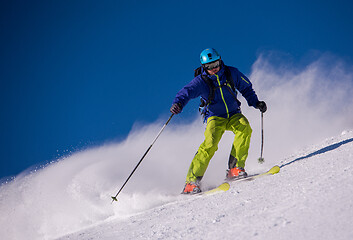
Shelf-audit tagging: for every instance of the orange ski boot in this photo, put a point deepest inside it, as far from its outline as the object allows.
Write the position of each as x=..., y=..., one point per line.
x=191, y=188
x=235, y=173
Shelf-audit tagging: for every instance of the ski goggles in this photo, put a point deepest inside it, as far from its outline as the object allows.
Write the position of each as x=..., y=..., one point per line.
x=212, y=65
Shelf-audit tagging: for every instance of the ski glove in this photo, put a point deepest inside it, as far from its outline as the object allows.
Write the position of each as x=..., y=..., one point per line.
x=261, y=105
x=175, y=108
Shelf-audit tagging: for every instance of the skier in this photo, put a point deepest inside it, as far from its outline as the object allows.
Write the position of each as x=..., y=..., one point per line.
x=222, y=112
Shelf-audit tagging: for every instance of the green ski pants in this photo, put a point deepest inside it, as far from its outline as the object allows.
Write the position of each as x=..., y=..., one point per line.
x=215, y=128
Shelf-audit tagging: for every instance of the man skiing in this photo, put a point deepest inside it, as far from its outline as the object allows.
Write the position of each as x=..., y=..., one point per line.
x=217, y=85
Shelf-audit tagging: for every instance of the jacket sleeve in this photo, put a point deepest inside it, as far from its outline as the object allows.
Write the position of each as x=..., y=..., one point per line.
x=244, y=86
x=190, y=91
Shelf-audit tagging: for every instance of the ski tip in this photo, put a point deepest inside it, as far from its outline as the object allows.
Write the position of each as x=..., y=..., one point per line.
x=224, y=186
x=221, y=188
x=274, y=170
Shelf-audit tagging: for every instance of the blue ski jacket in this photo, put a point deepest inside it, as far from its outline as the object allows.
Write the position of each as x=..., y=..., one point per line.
x=225, y=103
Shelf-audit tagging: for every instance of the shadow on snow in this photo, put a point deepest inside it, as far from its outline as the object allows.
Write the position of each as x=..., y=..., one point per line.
x=322, y=150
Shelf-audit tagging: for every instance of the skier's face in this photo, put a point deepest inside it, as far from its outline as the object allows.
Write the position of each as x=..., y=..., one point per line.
x=213, y=71
x=213, y=67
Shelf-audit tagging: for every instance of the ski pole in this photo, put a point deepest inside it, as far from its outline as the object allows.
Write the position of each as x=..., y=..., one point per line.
x=261, y=159
x=144, y=155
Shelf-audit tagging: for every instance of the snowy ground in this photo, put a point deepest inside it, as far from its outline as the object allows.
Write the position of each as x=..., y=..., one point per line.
x=311, y=198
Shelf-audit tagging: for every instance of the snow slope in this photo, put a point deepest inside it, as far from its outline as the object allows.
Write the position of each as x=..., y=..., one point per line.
x=311, y=198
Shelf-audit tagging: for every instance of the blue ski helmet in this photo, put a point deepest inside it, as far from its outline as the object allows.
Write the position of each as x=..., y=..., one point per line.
x=209, y=55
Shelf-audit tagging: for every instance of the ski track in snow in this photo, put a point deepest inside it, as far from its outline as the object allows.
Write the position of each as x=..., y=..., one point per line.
x=310, y=198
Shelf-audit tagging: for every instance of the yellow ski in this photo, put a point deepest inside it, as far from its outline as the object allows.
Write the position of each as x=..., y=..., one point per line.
x=225, y=186
x=221, y=188
x=272, y=171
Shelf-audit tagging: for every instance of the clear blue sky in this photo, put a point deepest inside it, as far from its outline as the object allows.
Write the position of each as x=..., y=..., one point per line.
x=80, y=73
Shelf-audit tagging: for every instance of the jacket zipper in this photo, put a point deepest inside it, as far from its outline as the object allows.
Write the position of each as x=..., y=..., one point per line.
x=220, y=89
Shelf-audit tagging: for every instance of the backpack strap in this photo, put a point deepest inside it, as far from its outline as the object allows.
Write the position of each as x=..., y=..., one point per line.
x=208, y=81
x=230, y=81
x=211, y=87
x=229, y=77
